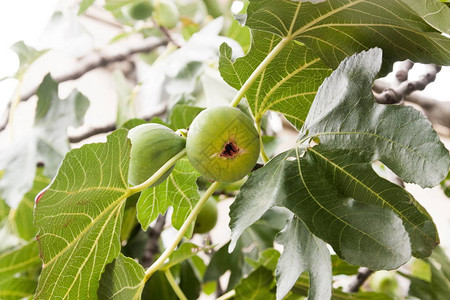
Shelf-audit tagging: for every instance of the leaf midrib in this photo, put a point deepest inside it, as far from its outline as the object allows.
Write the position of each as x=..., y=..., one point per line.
x=370, y=190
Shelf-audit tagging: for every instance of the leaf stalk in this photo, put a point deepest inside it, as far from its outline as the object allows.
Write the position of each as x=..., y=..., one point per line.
x=174, y=285
x=262, y=66
x=191, y=218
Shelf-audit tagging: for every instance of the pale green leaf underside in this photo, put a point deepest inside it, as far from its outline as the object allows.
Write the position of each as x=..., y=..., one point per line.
x=303, y=252
x=19, y=260
x=345, y=116
x=289, y=83
x=179, y=190
x=337, y=29
x=332, y=187
x=27, y=55
x=121, y=279
x=79, y=218
x=435, y=13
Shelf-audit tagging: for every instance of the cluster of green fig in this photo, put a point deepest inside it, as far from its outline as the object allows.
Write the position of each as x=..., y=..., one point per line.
x=164, y=12
x=222, y=144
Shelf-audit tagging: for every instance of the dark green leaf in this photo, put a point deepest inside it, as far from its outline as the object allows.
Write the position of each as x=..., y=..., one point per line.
x=302, y=285
x=121, y=279
x=335, y=30
x=342, y=267
x=289, y=83
x=303, y=252
x=190, y=282
x=267, y=259
x=257, y=285
x=80, y=216
x=182, y=115
x=19, y=260
x=179, y=190
x=158, y=288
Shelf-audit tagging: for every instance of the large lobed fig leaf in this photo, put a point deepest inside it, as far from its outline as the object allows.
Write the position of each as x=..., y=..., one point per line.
x=332, y=188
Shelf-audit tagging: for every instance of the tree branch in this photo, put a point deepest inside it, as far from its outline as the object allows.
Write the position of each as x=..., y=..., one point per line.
x=359, y=280
x=152, y=247
x=108, y=128
x=395, y=94
x=98, y=60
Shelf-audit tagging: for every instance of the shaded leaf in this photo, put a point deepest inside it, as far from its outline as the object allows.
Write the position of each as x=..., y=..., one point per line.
x=19, y=260
x=121, y=279
x=288, y=84
x=341, y=267
x=182, y=115
x=256, y=286
x=178, y=190
x=16, y=288
x=158, y=288
x=79, y=217
x=335, y=30
x=267, y=259
x=190, y=282
x=302, y=285
x=303, y=252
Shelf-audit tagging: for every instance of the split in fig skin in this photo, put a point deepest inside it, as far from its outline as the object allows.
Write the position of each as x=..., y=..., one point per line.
x=223, y=144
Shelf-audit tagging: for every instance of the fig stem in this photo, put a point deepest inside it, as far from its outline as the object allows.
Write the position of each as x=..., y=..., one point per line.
x=191, y=218
x=158, y=174
x=174, y=285
x=262, y=66
x=228, y=295
x=262, y=151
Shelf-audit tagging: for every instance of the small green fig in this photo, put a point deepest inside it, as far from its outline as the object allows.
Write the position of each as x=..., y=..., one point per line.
x=152, y=145
x=223, y=144
x=166, y=13
x=141, y=10
x=207, y=217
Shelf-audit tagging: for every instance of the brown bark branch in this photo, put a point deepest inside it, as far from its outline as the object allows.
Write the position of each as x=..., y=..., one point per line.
x=152, y=247
x=98, y=60
x=395, y=94
x=361, y=277
x=108, y=128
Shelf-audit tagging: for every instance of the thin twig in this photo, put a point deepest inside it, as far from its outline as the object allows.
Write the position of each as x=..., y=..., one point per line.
x=108, y=128
x=98, y=60
x=359, y=280
x=152, y=247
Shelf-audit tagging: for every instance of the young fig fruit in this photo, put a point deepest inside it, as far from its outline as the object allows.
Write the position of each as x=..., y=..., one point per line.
x=207, y=217
x=223, y=144
x=152, y=145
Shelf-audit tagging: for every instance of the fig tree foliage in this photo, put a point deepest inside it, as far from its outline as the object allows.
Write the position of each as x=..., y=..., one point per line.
x=113, y=220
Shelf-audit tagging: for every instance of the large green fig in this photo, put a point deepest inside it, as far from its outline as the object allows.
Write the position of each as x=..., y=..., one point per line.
x=207, y=217
x=223, y=144
x=152, y=145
